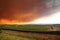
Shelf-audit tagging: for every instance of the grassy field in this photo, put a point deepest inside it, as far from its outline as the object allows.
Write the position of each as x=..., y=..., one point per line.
x=12, y=37
x=25, y=27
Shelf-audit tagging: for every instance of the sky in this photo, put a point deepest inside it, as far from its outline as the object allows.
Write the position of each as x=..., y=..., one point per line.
x=29, y=12
x=52, y=19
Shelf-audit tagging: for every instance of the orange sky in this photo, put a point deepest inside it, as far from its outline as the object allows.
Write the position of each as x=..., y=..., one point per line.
x=20, y=11
x=25, y=18
x=25, y=11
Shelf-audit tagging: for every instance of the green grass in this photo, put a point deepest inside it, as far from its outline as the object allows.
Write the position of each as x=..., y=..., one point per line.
x=26, y=27
x=12, y=37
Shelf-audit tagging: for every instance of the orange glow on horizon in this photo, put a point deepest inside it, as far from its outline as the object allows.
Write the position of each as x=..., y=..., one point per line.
x=20, y=19
x=5, y=21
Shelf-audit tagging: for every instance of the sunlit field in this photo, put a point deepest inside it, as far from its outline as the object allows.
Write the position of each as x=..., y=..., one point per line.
x=25, y=27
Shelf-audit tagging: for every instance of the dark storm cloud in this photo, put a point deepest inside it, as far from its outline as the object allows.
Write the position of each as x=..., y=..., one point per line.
x=10, y=9
x=23, y=10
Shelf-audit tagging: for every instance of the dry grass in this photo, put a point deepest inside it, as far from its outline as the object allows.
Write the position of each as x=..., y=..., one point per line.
x=4, y=36
x=35, y=36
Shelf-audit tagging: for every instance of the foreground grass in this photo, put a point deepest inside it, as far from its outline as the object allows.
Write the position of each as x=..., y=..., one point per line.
x=26, y=27
x=12, y=37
